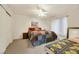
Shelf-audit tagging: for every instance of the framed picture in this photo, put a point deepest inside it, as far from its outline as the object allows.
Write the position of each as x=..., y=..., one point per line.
x=73, y=32
x=34, y=23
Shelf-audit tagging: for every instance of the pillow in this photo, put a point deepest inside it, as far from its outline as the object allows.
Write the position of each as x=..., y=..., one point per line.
x=42, y=32
x=75, y=39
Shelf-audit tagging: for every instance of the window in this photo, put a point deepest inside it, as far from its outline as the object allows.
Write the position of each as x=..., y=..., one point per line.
x=59, y=26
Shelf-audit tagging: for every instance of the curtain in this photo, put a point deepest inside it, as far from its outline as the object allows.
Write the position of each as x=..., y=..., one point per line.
x=59, y=26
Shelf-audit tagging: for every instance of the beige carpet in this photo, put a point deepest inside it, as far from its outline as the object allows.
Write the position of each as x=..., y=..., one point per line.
x=18, y=45
x=24, y=46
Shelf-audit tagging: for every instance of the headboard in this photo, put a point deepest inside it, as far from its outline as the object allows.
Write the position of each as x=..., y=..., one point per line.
x=72, y=31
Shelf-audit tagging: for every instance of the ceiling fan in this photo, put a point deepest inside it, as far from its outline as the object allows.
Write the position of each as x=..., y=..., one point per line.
x=42, y=11
x=40, y=7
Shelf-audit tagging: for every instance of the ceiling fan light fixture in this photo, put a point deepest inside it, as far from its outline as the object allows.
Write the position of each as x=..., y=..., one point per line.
x=42, y=13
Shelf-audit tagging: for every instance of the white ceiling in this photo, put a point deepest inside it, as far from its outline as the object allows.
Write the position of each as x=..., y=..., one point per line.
x=53, y=10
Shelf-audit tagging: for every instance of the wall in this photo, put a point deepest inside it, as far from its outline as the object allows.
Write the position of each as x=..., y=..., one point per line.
x=73, y=20
x=22, y=23
x=5, y=30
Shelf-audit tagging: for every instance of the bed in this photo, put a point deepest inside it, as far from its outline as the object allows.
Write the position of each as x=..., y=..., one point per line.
x=63, y=47
x=66, y=46
x=38, y=39
x=37, y=36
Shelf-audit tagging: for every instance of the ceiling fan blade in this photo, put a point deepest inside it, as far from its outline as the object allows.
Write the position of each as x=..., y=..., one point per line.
x=39, y=8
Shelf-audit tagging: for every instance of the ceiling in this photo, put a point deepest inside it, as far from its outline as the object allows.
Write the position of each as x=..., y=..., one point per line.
x=53, y=10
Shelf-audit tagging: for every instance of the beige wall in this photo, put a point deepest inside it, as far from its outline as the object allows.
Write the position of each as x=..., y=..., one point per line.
x=73, y=21
x=5, y=30
x=22, y=23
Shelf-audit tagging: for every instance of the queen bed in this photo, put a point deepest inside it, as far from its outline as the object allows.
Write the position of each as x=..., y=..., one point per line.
x=37, y=36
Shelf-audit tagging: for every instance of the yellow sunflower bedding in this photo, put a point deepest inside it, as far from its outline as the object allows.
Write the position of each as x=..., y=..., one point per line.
x=64, y=47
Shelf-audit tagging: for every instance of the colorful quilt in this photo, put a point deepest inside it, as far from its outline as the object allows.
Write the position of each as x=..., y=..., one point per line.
x=38, y=39
x=64, y=47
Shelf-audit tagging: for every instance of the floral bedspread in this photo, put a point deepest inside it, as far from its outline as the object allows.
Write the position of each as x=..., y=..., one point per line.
x=64, y=47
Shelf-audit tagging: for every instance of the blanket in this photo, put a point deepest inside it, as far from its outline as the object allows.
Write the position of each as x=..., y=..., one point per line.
x=64, y=47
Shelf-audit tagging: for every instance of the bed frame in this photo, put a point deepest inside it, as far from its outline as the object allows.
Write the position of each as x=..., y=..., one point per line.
x=68, y=30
